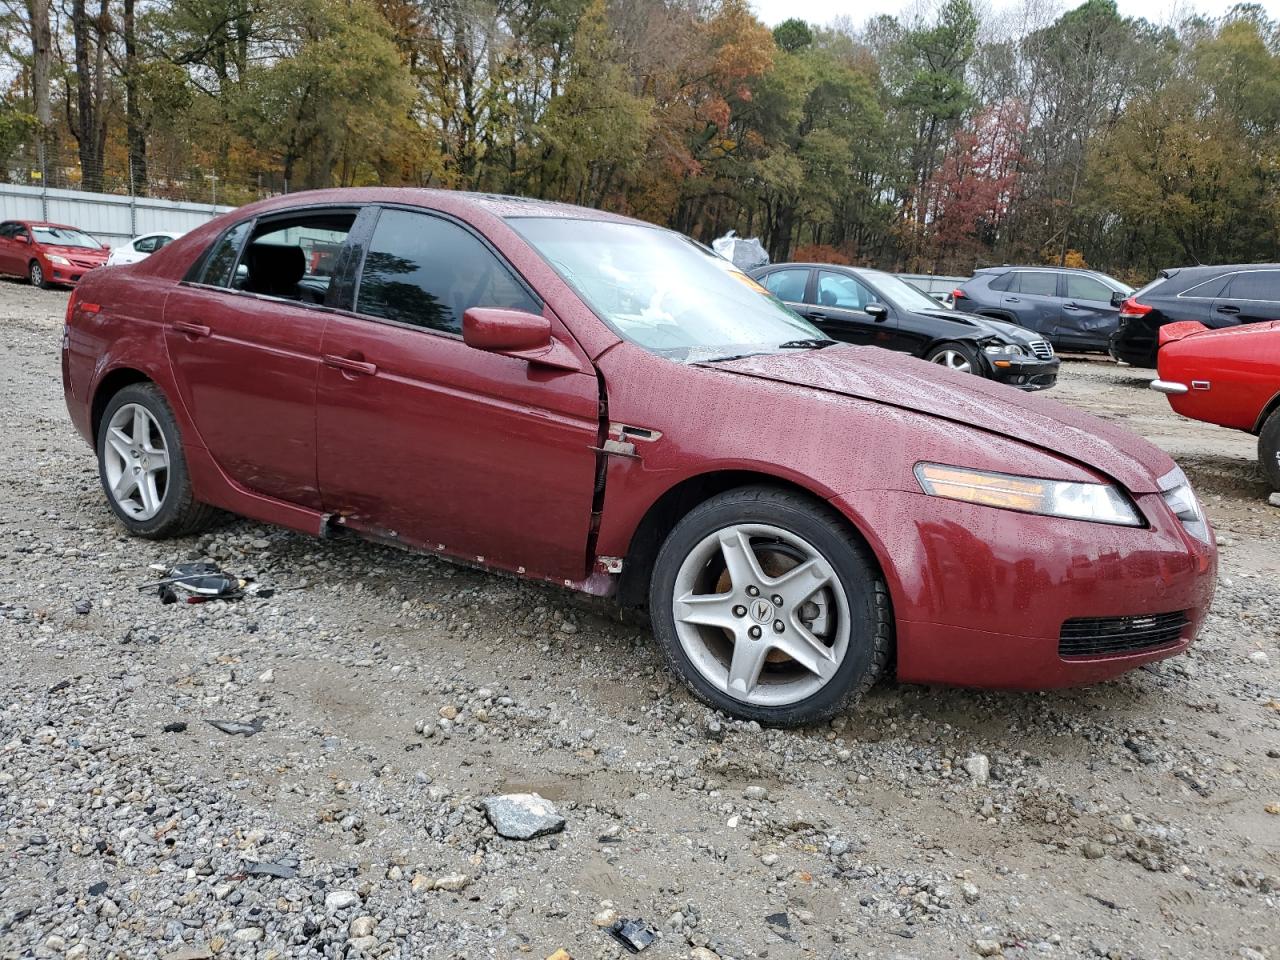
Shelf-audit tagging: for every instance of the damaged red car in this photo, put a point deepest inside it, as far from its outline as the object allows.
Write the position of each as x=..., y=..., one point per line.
x=581, y=398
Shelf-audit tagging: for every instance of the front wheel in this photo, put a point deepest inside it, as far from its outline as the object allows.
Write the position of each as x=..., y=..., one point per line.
x=955, y=356
x=142, y=466
x=769, y=608
x=35, y=273
x=1269, y=449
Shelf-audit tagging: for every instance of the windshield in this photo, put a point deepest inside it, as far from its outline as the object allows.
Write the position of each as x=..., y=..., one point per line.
x=663, y=291
x=900, y=293
x=64, y=237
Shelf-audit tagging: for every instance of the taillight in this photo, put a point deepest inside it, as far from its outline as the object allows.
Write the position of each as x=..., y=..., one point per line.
x=957, y=293
x=71, y=303
x=1131, y=308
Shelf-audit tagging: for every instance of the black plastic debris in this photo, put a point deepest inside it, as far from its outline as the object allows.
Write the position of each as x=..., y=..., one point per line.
x=280, y=870
x=200, y=582
x=236, y=728
x=83, y=606
x=174, y=726
x=635, y=935
x=59, y=686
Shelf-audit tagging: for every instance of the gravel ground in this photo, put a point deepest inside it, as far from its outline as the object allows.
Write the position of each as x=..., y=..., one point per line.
x=395, y=693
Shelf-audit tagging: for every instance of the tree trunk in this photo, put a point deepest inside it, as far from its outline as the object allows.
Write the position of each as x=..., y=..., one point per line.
x=135, y=130
x=41, y=59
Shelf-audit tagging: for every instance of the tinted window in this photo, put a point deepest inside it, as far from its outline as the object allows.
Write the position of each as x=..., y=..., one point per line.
x=1039, y=283
x=7, y=230
x=1208, y=289
x=1255, y=285
x=427, y=271
x=145, y=245
x=222, y=261
x=1003, y=282
x=787, y=284
x=838, y=290
x=1081, y=287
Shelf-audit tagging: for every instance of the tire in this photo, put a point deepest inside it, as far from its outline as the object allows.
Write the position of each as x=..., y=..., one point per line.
x=848, y=613
x=1269, y=449
x=955, y=356
x=170, y=508
x=35, y=274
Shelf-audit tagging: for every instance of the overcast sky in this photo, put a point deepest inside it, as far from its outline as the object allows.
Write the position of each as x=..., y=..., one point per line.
x=774, y=12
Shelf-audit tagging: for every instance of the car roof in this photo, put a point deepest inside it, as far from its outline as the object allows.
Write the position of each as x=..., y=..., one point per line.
x=48, y=223
x=1212, y=270
x=1005, y=268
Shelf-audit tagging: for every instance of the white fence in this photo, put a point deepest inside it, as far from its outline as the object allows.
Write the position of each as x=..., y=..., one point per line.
x=112, y=219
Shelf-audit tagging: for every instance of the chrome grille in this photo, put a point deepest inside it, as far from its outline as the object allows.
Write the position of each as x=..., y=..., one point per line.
x=1100, y=636
x=1043, y=349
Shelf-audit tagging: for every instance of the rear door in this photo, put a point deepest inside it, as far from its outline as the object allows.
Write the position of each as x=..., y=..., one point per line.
x=429, y=442
x=244, y=338
x=1087, y=318
x=1034, y=299
x=1251, y=296
x=838, y=308
x=12, y=260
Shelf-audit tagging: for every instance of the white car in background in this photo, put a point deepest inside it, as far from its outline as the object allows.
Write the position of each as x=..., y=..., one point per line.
x=139, y=248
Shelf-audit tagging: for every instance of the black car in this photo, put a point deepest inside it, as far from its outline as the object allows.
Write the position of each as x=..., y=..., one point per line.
x=1223, y=296
x=1073, y=309
x=876, y=308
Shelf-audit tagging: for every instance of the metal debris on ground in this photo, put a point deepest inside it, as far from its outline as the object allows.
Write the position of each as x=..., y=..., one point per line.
x=202, y=581
x=283, y=871
x=635, y=935
x=236, y=728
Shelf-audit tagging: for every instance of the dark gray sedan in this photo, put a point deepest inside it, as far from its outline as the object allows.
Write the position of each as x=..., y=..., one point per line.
x=875, y=308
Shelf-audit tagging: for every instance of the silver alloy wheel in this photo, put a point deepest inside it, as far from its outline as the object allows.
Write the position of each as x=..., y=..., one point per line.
x=136, y=461
x=769, y=637
x=954, y=360
x=37, y=274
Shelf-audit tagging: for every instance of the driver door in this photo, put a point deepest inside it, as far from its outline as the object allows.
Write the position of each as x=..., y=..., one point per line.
x=838, y=309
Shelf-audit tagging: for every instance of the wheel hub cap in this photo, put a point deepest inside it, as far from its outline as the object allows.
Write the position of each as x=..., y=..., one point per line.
x=136, y=462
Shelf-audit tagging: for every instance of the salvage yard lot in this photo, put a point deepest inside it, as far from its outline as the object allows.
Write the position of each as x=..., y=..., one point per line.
x=396, y=692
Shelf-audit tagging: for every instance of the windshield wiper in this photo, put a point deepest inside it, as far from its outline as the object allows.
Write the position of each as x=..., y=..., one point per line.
x=813, y=343
x=727, y=357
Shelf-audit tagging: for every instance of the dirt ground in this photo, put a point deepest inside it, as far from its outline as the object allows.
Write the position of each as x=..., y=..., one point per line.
x=394, y=693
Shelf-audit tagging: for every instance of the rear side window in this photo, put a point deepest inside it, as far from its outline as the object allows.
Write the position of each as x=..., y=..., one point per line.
x=1081, y=287
x=1002, y=282
x=222, y=261
x=1254, y=285
x=426, y=271
x=145, y=245
x=1208, y=289
x=787, y=284
x=1038, y=283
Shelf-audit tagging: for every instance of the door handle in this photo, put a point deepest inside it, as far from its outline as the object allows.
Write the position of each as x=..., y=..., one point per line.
x=351, y=366
x=817, y=315
x=1072, y=306
x=1012, y=300
x=1227, y=308
x=191, y=329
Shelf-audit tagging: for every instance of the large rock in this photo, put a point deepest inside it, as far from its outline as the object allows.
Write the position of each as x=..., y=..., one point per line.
x=523, y=816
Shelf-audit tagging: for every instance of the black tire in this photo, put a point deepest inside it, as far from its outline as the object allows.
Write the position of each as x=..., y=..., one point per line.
x=35, y=275
x=871, y=618
x=1269, y=449
x=962, y=349
x=180, y=514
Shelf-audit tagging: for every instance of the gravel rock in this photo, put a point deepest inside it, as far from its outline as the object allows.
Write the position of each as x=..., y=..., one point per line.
x=987, y=948
x=340, y=900
x=978, y=766
x=523, y=816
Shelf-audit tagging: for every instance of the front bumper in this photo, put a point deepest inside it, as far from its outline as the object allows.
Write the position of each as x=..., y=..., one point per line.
x=1025, y=373
x=980, y=595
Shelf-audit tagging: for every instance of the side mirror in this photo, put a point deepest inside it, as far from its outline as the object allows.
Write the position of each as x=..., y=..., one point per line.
x=878, y=311
x=22, y=238
x=1118, y=298
x=516, y=333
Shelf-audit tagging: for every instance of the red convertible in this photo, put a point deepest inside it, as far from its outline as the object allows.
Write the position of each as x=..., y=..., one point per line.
x=1229, y=377
x=581, y=398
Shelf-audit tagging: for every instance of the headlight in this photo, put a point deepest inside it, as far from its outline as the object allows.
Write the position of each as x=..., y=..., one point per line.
x=1004, y=349
x=60, y=261
x=1099, y=502
x=1177, y=493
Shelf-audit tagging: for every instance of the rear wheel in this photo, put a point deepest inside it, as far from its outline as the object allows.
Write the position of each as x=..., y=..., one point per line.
x=35, y=273
x=955, y=356
x=769, y=608
x=142, y=466
x=1269, y=449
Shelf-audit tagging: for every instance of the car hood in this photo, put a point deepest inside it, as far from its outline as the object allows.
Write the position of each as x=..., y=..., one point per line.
x=975, y=325
x=80, y=253
x=899, y=380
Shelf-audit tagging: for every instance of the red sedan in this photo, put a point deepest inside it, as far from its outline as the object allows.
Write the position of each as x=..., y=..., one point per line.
x=585, y=399
x=1229, y=377
x=48, y=253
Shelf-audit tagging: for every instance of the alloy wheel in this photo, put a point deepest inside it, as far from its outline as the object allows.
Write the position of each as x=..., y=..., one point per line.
x=761, y=614
x=136, y=461
x=954, y=360
x=37, y=275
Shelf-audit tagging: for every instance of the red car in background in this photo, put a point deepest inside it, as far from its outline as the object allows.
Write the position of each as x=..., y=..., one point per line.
x=48, y=253
x=1229, y=377
x=581, y=398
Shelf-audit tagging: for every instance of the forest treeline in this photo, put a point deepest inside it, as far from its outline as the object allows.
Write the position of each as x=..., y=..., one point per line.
x=934, y=142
